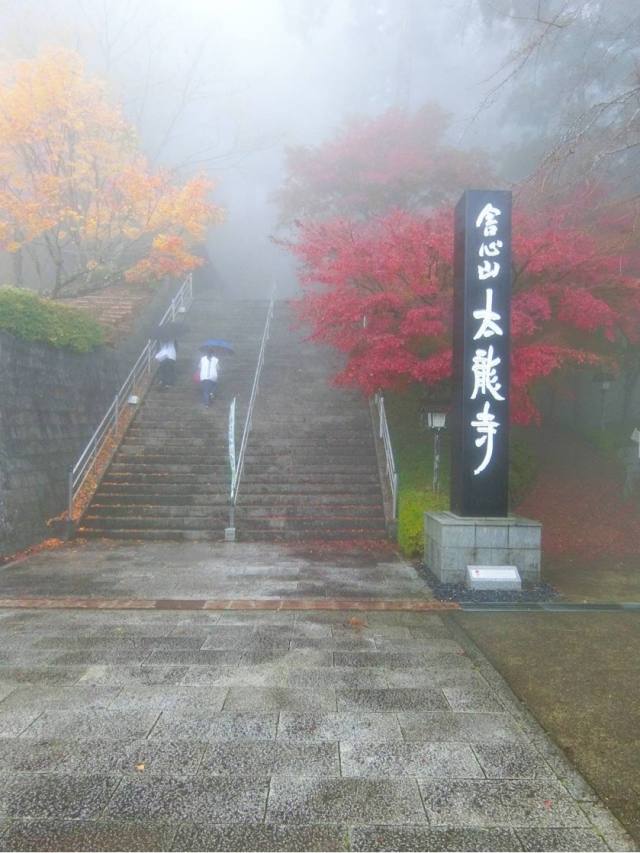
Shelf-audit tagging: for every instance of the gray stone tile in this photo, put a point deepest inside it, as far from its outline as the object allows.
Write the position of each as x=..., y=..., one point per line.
x=305, y=800
x=336, y=644
x=337, y=677
x=480, y=699
x=6, y=690
x=263, y=758
x=311, y=630
x=41, y=674
x=505, y=803
x=63, y=756
x=201, y=657
x=262, y=837
x=170, y=757
x=380, y=620
x=182, y=641
x=435, y=677
x=80, y=835
x=38, y=795
x=428, y=646
x=306, y=759
x=184, y=699
x=511, y=761
x=279, y=699
x=235, y=676
x=339, y=726
x=250, y=642
x=14, y=721
x=222, y=726
x=142, y=674
x=209, y=799
x=292, y=658
x=79, y=642
x=40, y=698
x=239, y=617
x=392, y=699
x=214, y=657
x=386, y=659
x=407, y=838
x=461, y=728
x=114, y=725
x=107, y=655
x=424, y=760
x=560, y=839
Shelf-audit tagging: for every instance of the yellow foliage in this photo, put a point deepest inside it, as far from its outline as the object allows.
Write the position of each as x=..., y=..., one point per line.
x=70, y=166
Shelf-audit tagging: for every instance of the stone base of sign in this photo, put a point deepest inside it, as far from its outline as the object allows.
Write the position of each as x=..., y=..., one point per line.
x=451, y=543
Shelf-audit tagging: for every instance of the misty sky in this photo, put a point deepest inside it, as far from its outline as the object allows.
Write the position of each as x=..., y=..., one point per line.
x=225, y=85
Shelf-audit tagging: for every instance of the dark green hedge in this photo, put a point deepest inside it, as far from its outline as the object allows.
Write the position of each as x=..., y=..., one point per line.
x=29, y=316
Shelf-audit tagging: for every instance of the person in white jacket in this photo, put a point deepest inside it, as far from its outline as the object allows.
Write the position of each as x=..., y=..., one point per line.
x=166, y=356
x=208, y=376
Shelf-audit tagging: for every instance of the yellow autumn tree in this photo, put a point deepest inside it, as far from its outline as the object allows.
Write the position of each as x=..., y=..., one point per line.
x=77, y=198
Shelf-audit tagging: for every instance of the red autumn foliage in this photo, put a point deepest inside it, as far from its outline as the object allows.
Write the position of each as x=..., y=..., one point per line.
x=397, y=159
x=380, y=290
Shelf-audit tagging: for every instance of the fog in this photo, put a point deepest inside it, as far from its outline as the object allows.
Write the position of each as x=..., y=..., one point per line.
x=225, y=87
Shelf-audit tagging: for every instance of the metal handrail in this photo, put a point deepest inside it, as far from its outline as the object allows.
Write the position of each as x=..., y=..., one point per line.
x=108, y=426
x=385, y=437
x=238, y=467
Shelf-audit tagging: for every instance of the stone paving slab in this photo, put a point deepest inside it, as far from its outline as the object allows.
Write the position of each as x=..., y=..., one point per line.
x=500, y=803
x=56, y=796
x=433, y=760
x=327, y=745
x=321, y=837
x=305, y=800
x=279, y=699
x=84, y=835
x=392, y=699
x=264, y=758
x=92, y=723
x=458, y=727
x=341, y=726
x=400, y=838
x=205, y=798
x=222, y=726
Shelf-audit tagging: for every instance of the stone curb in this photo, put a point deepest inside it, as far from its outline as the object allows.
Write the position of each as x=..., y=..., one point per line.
x=361, y=604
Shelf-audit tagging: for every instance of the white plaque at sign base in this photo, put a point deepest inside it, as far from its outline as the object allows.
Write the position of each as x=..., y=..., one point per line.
x=493, y=577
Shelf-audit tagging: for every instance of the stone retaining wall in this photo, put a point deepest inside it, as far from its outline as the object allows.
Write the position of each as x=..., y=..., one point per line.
x=51, y=401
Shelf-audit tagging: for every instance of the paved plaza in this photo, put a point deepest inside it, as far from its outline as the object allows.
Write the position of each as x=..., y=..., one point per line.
x=265, y=730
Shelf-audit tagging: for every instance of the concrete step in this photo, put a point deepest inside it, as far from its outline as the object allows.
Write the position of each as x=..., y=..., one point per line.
x=166, y=535
x=171, y=497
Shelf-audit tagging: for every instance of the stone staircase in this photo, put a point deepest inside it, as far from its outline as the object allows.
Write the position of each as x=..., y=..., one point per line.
x=170, y=476
x=310, y=468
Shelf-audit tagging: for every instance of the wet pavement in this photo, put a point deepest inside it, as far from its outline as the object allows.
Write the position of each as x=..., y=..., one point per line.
x=256, y=730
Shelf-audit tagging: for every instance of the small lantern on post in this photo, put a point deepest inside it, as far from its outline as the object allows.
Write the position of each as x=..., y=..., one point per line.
x=435, y=421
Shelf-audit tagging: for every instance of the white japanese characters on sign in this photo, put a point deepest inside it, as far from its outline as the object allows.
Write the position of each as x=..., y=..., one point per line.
x=485, y=364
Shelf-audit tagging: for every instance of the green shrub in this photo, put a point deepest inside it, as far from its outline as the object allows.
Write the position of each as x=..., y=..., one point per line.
x=412, y=505
x=29, y=316
x=413, y=451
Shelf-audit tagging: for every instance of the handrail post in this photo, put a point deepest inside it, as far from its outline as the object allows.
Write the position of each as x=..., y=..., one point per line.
x=70, y=496
x=149, y=356
x=117, y=414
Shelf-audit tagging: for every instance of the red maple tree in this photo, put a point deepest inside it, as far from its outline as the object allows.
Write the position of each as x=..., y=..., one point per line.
x=380, y=290
x=397, y=159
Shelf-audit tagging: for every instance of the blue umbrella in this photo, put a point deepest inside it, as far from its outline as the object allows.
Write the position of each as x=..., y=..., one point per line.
x=218, y=343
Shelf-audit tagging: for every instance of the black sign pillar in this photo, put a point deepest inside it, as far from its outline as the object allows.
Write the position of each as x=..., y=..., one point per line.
x=481, y=351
